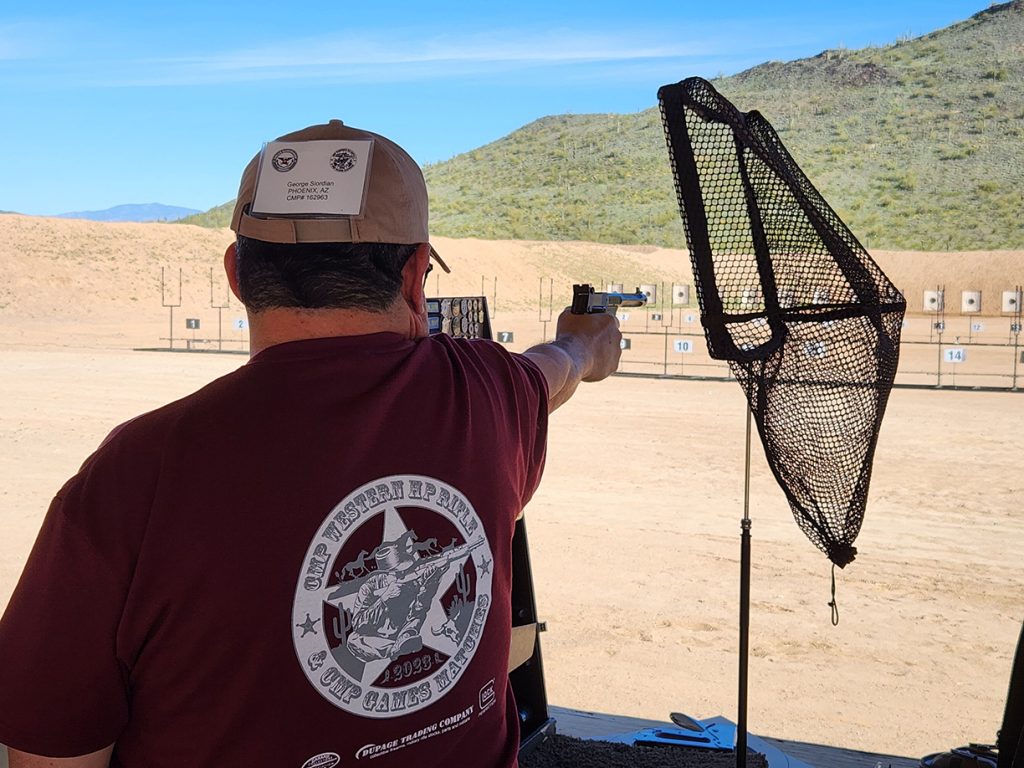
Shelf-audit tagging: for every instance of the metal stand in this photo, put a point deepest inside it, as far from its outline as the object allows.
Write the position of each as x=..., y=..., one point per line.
x=741, y=716
x=535, y=722
x=1015, y=329
x=166, y=303
x=220, y=308
x=540, y=305
x=940, y=326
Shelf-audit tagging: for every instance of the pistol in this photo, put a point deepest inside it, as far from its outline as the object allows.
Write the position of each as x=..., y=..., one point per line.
x=586, y=301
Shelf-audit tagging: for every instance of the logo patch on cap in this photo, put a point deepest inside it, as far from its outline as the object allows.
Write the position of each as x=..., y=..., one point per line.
x=284, y=160
x=343, y=160
x=310, y=179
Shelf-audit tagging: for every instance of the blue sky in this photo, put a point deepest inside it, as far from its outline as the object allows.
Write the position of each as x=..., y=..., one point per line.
x=107, y=102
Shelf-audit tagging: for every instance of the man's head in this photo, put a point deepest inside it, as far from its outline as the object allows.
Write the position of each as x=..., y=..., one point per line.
x=328, y=218
x=390, y=557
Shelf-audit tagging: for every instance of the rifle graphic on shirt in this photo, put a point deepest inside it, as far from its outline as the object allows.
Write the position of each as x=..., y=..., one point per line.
x=449, y=554
x=389, y=606
x=423, y=569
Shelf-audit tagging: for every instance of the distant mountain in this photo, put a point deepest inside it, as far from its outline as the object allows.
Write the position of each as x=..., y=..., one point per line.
x=133, y=212
x=918, y=145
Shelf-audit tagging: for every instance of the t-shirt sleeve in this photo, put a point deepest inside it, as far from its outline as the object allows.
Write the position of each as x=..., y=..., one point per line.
x=518, y=391
x=62, y=689
x=532, y=400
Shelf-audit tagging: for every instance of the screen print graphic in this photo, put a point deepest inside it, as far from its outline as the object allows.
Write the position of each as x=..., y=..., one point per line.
x=393, y=596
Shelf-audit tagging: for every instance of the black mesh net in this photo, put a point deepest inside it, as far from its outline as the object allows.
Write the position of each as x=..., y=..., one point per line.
x=808, y=322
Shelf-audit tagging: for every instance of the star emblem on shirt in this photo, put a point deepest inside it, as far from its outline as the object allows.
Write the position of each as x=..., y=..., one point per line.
x=309, y=625
x=484, y=565
x=432, y=615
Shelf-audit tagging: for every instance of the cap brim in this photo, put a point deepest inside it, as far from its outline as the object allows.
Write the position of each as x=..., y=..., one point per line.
x=438, y=259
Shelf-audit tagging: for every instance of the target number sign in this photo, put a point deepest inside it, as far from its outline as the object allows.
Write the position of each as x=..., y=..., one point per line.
x=505, y=336
x=625, y=344
x=977, y=327
x=192, y=323
x=955, y=355
x=241, y=323
x=683, y=346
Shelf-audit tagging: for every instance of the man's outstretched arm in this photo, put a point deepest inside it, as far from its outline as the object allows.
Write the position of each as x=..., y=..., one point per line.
x=585, y=348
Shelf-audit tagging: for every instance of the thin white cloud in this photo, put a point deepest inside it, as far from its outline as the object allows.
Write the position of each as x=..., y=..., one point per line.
x=550, y=46
x=523, y=54
x=363, y=58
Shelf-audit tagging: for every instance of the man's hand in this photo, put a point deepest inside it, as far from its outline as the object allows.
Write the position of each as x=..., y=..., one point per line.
x=600, y=339
x=390, y=590
x=586, y=348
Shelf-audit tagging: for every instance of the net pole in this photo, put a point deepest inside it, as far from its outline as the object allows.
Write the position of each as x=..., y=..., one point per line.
x=741, y=716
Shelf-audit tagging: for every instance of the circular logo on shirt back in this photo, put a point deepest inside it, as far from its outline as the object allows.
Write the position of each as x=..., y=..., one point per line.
x=393, y=596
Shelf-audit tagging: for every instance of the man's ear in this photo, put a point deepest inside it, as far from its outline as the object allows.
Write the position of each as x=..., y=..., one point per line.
x=231, y=269
x=413, y=293
x=412, y=278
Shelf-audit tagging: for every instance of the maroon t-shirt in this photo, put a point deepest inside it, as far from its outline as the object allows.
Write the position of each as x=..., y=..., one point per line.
x=304, y=564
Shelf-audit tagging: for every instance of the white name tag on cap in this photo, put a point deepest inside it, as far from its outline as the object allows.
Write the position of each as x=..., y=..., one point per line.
x=313, y=178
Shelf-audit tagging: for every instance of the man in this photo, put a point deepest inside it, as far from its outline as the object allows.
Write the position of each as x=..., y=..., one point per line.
x=392, y=604
x=307, y=562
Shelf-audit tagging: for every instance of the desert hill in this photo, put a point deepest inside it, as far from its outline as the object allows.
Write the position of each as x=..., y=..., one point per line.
x=917, y=144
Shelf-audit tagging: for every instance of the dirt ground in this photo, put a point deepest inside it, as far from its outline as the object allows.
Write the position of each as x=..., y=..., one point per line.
x=635, y=531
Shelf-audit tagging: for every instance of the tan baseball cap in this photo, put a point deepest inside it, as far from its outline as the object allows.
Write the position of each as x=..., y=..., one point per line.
x=333, y=184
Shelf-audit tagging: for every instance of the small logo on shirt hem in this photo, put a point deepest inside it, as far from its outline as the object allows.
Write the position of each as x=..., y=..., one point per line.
x=323, y=760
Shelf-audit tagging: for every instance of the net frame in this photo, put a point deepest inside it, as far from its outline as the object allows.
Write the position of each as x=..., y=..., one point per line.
x=788, y=296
